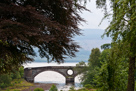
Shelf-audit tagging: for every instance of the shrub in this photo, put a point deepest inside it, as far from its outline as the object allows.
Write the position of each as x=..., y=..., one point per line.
x=15, y=75
x=5, y=80
x=2, y=85
x=16, y=90
x=72, y=89
x=53, y=88
x=88, y=86
x=7, y=89
x=38, y=89
x=21, y=71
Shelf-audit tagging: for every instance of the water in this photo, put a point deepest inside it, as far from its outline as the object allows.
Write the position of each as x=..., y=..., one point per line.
x=54, y=77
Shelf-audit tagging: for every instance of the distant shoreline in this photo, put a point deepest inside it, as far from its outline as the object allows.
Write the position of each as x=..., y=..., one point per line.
x=56, y=62
x=39, y=64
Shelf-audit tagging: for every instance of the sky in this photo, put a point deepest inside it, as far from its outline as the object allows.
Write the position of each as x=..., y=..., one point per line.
x=93, y=18
x=92, y=33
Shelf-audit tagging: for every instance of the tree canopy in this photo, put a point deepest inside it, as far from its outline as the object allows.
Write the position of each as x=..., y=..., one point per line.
x=123, y=26
x=48, y=25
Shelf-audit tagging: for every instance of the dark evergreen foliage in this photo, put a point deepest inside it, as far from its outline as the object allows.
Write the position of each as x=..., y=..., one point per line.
x=48, y=25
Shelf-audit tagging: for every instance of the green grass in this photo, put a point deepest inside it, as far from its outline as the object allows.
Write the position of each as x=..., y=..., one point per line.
x=82, y=89
x=18, y=85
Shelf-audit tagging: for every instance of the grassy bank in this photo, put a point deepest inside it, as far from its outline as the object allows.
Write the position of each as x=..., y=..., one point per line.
x=18, y=85
x=22, y=85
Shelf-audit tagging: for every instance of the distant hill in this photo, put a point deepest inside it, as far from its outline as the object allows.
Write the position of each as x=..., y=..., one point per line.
x=90, y=38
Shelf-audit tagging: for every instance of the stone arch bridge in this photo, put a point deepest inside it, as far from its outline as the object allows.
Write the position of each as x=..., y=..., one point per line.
x=30, y=73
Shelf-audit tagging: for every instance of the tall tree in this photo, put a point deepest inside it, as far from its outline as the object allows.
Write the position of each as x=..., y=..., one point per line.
x=91, y=70
x=94, y=57
x=112, y=75
x=123, y=26
x=48, y=25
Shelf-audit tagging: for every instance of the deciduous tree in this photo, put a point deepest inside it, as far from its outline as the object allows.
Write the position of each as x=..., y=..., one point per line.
x=48, y=25
x=112, y=75
x=91, y=68
x=123, y=26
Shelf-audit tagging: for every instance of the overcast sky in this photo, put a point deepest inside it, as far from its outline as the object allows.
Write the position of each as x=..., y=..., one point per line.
x=94, y=17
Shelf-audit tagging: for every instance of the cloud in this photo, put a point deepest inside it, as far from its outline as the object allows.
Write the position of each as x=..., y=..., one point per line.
x=93, y=18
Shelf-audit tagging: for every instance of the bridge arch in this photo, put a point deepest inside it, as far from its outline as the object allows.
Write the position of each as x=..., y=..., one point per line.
x=48, y=70
x=50, y=77
x=30, y=73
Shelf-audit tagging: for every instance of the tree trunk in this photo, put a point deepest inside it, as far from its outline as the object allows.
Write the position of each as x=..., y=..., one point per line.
x=131, y=72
